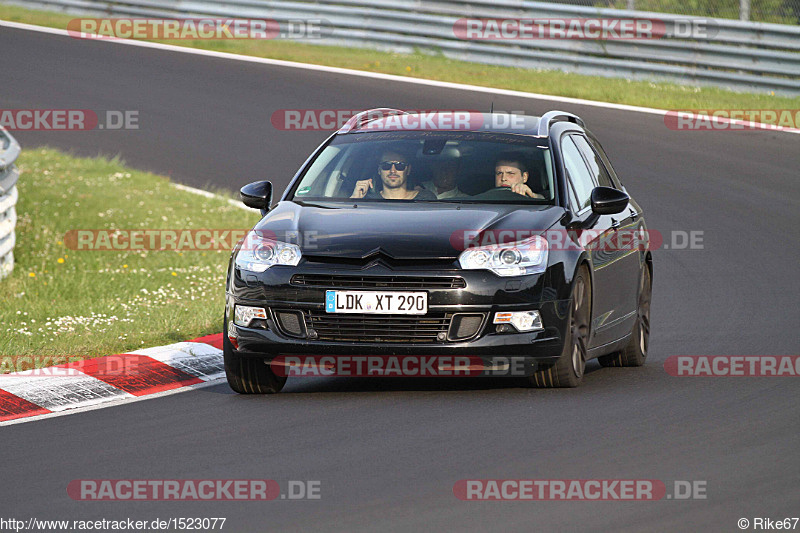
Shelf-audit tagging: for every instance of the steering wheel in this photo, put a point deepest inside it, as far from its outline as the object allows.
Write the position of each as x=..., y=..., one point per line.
x=501, y=190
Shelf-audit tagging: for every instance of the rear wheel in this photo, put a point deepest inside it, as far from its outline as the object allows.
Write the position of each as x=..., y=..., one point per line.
x=249, y=375
x=568, y=370
x=635, y=353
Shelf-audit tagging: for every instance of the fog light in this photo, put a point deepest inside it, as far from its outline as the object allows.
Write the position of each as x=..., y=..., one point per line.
x=522, y=320
x=504, y=328
x=243, y=315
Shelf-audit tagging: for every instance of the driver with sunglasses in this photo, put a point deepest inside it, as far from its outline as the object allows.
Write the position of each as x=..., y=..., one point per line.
x=393, y=170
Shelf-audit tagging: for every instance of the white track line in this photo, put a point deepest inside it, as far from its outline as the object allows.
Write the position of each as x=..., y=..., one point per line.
x=207, y=194
x=380, y=76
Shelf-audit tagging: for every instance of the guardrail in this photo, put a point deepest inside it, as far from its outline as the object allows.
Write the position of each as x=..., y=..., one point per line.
x=9, y=174
x=736, y=55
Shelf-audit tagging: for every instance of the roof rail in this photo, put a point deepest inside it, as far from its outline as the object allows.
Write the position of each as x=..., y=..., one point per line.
x=359, y=119
x=555, y=116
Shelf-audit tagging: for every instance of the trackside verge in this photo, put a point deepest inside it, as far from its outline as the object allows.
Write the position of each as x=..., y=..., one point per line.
x=110, y=380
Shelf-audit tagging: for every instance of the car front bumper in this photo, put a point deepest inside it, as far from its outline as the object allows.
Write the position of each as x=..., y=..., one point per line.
x=479, y=293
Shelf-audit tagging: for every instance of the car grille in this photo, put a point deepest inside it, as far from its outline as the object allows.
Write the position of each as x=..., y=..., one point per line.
x=378, y=328
x=378, y=282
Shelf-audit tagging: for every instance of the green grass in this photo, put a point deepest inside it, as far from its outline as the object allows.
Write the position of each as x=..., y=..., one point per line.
x=65, y=302
x=437, y=67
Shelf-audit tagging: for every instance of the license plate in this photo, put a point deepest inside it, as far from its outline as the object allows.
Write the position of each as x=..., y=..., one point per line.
x=376, y=302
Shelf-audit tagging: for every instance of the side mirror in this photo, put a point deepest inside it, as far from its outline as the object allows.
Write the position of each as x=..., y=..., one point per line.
x=608, y=201
x=257, y=195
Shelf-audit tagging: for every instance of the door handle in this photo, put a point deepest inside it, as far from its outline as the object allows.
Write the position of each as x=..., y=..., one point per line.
x=634, y=214
x=614, y=223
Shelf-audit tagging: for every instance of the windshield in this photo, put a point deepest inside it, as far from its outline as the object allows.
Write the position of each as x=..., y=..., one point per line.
x=430, y=167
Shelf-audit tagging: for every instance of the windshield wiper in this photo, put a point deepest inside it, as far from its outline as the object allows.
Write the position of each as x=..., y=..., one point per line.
x=304, y=203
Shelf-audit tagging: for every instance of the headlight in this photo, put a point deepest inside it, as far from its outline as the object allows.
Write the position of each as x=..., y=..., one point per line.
x=259, y=253
x=522, y=320
x=512, y=259
x=243, y=315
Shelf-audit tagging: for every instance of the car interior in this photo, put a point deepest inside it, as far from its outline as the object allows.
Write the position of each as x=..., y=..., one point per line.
x=335, y=172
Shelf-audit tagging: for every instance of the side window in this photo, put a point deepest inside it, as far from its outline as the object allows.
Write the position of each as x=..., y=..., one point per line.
x=609, y=166
x=596, y=165
x=572, y=199
x=577, y=172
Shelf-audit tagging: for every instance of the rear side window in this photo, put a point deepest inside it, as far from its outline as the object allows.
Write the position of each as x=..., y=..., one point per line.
x=596, y=165
x=579, y=174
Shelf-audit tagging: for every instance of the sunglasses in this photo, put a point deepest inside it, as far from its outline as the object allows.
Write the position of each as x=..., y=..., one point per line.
x=399, y=165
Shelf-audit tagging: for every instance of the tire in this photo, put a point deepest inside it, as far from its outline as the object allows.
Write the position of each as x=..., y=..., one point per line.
x=249, y=375
x=569, y=369
x=635, y=353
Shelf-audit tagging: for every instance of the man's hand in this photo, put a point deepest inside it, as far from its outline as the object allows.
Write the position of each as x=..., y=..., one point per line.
x=524, y=190
x=362, y=188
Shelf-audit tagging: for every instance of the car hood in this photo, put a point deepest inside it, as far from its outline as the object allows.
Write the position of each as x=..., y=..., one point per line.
x=415, y=231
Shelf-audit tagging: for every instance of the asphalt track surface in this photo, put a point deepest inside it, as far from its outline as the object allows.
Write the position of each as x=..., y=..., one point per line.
x=388, y=451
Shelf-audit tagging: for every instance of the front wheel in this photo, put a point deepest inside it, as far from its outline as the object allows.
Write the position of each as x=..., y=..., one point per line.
x=249, y=375
x=635, y=352
x=568, y=370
